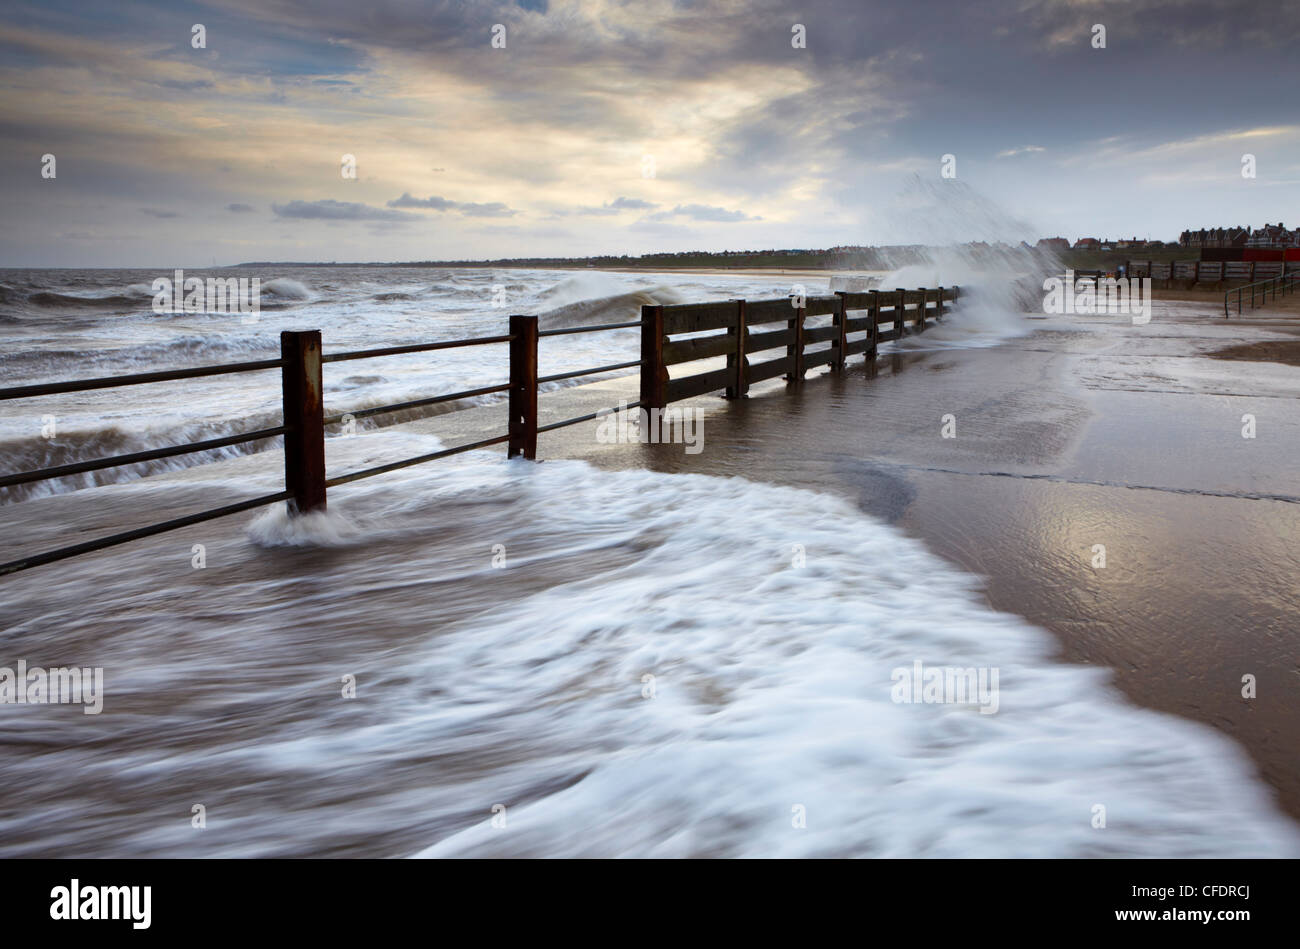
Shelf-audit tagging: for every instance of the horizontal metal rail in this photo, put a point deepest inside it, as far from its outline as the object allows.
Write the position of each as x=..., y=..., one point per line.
x=417, y=460
x=589, y=372
x=123, y=537
x=587, y=418
x=417, y=403
x=570, y=330
x=109, y=382
x=62, y=471
x=416, y=348
x=1283, y=281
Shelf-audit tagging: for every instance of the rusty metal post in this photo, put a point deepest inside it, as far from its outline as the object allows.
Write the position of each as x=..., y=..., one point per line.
x=304, y=417
x=740, y=388
x=654, y=374
x=523, y=387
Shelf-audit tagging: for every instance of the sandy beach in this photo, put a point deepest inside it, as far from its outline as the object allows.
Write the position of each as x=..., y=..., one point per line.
x=1081, y=433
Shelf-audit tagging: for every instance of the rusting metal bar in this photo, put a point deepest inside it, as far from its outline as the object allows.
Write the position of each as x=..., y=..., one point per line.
x=416, y=403
x=418, y=460
x=570, y=330
x=414, y=348
x=109, y=382
x=112, y=540
x=62, y=471
x=304, y=417
x=523, y=387
x=736, y=361
x=591, y=416
x=631, y=364
x=654, y=374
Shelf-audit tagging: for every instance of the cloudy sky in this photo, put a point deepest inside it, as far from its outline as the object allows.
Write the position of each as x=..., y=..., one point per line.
x=628, y=127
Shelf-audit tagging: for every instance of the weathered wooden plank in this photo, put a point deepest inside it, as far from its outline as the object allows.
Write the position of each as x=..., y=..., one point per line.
x=822, y=357
x=768, y=370
x=701, y=347
x=304, y=417
x=654, y=373
x=857, y=301
x=857, y=324
x=768, y=311
x=697, y=317
x=736, y=361
x=758, y=342
x=857, y=346
x=690, y=386
x=820, y=306
x=523, y=388
x=820, y=334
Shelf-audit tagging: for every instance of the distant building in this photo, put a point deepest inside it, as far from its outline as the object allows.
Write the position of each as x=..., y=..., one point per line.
x=1134, y=242
x=1053, y=243
x=1087, y=243
x=1215, y=237
x=1273, y=235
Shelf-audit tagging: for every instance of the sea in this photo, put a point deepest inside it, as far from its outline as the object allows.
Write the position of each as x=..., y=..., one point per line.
x=482, y=657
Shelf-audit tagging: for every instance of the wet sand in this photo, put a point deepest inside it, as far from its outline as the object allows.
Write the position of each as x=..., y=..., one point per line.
x=1079, y=434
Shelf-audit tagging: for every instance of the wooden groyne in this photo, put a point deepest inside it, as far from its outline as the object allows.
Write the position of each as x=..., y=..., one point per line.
x=760, y=340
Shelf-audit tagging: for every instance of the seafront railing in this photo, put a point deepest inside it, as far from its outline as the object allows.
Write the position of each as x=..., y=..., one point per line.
x=672, y=338
x=1274, y=287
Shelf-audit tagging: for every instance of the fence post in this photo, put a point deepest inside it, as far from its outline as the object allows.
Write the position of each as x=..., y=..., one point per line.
x=839, y=320
x=654, y=374
x=938, y=307
x=523, y=388
x=920, y=312
x=740, y=388
x=794, y=352
x=304, y=417
x=873, y=313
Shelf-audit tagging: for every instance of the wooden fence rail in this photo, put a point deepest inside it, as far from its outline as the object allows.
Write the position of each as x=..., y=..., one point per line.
x=741, y=330
x=671, y=336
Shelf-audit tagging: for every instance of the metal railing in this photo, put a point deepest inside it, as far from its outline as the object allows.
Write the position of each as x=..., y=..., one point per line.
x=304, y=420
x=1276, y=286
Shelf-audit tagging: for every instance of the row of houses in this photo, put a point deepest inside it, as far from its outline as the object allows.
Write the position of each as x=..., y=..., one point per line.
x=1105, y=243
x=1270, y=235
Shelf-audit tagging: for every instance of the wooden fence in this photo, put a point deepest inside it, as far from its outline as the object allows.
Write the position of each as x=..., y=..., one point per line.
x=672, y=339
x=1212, y=271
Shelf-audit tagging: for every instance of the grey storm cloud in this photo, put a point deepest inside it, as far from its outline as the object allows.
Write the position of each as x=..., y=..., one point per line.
x=239, y=208
x=618, y=205
x=490, y=209
x=704, y=212
x=467, y=208
x=154, y=212
x=433, y=202
x=330, y=210
x=631, y=204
